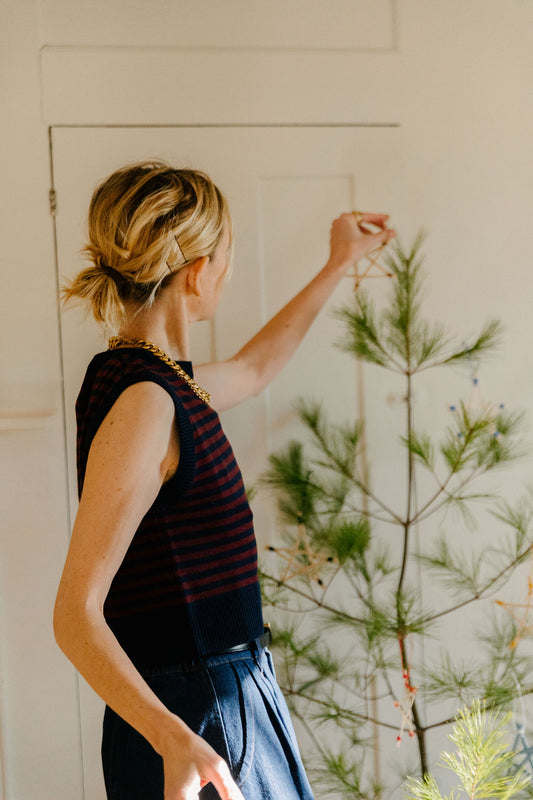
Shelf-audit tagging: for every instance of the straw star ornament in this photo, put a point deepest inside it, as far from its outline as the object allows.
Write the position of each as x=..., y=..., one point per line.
x=369, y=266
x=301, y=559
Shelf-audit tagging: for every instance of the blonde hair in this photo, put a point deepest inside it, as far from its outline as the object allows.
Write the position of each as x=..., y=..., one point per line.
x=146, y=220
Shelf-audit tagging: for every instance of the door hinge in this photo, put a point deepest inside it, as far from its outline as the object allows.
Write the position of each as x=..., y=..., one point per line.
x=52, y=196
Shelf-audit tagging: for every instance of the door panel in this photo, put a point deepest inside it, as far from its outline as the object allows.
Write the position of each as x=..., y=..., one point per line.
x=284, y=186
x=236, y=24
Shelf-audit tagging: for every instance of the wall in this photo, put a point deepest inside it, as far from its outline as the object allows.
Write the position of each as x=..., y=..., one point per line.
x=455, y=75
x=39, y=720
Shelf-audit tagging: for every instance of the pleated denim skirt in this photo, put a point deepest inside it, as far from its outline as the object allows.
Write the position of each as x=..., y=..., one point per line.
x=234, y=702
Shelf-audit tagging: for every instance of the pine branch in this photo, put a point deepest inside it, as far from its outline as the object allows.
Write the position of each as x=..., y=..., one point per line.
x=518, y=517
x=424, y=789
x=451, y=680
x=344, y=773
x=362, y=338
x=455, y=572
x=472, y=476
x=367, y=602
x=488, y=340
x=310, y=733
x=317, y=603
x=481, y=593
x=401, y=319
x=339, y=445
x=335, y=711
x=421, y=447
x=347, y=541
x=454, y=467
x=364, y=512
x=474, y=442
x=291, y=475
x=482, y=760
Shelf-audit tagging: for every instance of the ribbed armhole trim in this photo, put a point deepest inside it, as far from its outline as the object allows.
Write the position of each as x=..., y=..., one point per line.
x=182, y=479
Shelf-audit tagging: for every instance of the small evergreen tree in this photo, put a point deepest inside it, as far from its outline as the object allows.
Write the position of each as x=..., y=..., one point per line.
x=348, y=579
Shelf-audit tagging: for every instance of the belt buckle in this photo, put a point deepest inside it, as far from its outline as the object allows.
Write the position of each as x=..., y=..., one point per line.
x=263, y=641
x=268, y=633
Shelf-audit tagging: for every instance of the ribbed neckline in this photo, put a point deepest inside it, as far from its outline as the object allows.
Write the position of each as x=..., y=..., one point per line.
x=185, y=365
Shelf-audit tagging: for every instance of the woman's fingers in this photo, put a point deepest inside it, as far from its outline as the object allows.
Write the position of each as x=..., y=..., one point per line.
x=217, y=772
x=224, y=783
x=386, y=235
x=381, y=237
x=367, y=222
x=189, y=793
x=219, y=776
x=373, y=219
x=369, y=232
x=191, y=764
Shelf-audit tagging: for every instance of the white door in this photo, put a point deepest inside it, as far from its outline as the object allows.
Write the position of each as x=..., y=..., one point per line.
x=284, y=185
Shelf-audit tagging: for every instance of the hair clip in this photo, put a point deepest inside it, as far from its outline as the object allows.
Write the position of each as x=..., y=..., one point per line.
x=178, y=264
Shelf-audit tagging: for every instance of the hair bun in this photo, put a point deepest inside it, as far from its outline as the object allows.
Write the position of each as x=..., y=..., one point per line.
x=146, y=220
x=113, y=273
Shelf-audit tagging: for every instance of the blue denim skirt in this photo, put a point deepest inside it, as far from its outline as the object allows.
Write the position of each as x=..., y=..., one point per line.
x=234, y=702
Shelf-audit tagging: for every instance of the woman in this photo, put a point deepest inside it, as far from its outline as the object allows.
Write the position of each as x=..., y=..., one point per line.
x=159, y=606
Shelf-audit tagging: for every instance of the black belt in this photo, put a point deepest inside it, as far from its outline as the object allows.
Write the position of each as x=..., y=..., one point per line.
x=261, y=641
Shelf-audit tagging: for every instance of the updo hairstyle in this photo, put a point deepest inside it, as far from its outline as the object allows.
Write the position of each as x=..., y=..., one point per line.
x=146, y=221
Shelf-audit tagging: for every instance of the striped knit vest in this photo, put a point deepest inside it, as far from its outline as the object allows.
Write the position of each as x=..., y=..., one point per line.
x=188, y=584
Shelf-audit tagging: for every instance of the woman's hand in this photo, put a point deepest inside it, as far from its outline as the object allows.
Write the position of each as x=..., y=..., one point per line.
x=190, y=763
x=351, y=239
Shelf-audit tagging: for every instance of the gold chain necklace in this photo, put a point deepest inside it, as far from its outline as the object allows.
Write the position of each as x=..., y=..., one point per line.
x=117, y=341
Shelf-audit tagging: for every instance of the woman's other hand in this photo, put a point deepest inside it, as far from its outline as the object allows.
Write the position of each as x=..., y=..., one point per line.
x=351, y=238
x=190, y=763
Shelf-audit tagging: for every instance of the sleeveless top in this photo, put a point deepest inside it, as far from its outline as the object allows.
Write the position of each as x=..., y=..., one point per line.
x=188, y=584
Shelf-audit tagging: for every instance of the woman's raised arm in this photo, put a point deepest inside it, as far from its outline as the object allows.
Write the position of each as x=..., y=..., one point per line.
x=261, y=359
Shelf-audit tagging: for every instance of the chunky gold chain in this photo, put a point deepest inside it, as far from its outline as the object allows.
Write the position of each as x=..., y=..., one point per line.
x=117, y=341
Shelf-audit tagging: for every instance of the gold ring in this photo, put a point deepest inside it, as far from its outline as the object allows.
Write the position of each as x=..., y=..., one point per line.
x=358, y=216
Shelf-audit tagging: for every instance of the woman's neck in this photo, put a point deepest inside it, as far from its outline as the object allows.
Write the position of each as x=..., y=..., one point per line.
x=169, y=334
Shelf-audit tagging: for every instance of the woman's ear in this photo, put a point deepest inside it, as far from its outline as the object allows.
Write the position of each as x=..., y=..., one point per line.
x=196, y=273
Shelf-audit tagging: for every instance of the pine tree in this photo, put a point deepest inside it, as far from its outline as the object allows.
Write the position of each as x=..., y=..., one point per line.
x=351, y=610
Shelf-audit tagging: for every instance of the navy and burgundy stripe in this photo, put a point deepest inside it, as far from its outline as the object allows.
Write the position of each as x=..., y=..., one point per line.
x=193, y=560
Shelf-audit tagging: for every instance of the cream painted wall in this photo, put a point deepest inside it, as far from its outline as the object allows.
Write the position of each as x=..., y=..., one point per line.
x=39, y=720
x=456, y=75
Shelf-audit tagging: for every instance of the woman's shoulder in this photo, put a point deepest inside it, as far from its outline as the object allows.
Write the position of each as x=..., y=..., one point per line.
x=111, y=372
x=124, y=366
x=125, y=382
x=121, y=361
